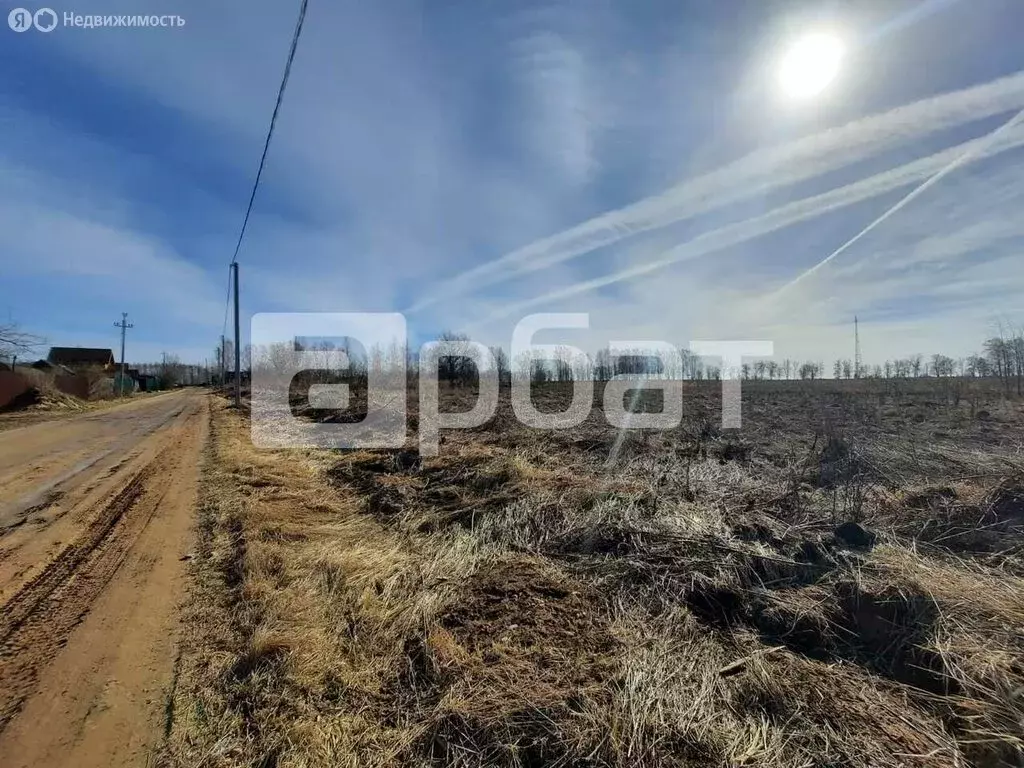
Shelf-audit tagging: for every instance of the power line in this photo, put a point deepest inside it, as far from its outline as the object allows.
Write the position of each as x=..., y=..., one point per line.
x=232, y=270
x=273, y=122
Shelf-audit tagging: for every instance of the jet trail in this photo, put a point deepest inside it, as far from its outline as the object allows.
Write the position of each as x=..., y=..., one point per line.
x=757, y=174
x=796, y=212
x=969, y=154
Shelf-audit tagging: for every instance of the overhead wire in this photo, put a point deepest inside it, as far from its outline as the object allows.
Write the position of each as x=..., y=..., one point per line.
x=263, y=157
x=273, y=122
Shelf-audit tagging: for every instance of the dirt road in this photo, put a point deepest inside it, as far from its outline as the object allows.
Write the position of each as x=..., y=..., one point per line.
x=95, y=520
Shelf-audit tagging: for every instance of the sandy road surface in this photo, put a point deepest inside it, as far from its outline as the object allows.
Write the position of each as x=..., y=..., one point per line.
x=95, y=518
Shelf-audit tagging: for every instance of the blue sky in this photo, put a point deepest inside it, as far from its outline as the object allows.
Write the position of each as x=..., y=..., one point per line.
x=469, y=162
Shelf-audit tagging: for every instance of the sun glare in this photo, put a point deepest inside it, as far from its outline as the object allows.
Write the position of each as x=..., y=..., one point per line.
x=810, y=65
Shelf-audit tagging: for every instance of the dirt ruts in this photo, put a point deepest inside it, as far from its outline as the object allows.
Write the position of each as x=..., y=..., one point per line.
x=90, y=582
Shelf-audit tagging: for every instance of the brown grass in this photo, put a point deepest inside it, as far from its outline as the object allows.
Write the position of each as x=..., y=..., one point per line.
x=839, y=583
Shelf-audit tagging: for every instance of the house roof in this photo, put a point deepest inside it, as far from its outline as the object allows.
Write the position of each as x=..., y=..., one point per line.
x=80, y=356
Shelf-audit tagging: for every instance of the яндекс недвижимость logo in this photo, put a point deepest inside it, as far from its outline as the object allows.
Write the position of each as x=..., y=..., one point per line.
x=22, y=19
x=47, y=20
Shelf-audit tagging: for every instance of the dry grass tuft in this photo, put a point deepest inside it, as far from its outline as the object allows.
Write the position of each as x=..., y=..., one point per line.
x=835, y=585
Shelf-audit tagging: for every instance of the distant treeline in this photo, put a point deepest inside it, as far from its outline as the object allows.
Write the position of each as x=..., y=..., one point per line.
x=1001, y=357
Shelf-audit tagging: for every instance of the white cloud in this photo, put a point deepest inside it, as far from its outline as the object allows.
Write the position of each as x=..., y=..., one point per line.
x=555, y=76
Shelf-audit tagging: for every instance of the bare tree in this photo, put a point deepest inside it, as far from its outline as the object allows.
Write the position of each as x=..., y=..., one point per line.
x=522, y=366
x=582, y=370
x=170, y=371
x=942, y=365
x=810, y=370
x=1018, y=356
x=14, y=341
x=501, y=364
x=603, y=365
x=458, y=367
x=539, y=373
x=997, y=351
x=978, y=366
x=224, y=354
x=273, y=360
x=915, y=365
x=563, y=364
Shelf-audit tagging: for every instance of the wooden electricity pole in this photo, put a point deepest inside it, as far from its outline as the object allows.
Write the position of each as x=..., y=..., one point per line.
x=238, y=344
x=124, y=325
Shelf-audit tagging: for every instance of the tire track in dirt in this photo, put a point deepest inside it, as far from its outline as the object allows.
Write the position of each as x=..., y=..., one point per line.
x=32, y=595
x=38, y=619
x=83, y=654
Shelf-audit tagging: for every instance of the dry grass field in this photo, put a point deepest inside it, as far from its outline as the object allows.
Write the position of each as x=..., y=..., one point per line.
x=840, y=582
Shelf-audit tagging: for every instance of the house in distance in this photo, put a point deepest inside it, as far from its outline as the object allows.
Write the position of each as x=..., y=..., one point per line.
x=77, y=358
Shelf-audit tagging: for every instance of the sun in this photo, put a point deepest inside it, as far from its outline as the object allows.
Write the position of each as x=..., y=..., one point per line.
x=810, y=65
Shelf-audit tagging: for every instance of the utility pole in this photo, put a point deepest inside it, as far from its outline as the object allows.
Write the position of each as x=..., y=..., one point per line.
x=856, y=348
x=223, y=363
x=238, y=345
x=124, y=325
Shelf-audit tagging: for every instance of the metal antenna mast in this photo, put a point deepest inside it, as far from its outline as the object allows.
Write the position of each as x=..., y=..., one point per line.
x=124, y=325
x=856, y=348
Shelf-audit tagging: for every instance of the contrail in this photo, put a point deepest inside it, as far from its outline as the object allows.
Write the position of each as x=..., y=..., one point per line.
x=919, y=12
x=972, y=152
x=788, y=215
x=756, y=174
